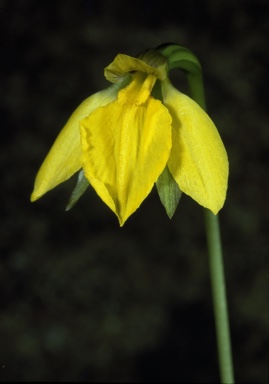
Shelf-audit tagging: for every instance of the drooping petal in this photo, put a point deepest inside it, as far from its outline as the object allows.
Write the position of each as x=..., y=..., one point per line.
x=198, y=160
x=64, y=158
x=126, y=146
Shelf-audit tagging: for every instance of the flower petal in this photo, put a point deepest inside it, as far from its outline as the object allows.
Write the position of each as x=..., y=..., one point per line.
x=198, y=160
x=124, y=64
x=125, y=148
x=64, y=158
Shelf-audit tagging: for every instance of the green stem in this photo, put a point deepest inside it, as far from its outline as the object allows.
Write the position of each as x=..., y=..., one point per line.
x=180, y=57
x=217, y=274
x=219, y=296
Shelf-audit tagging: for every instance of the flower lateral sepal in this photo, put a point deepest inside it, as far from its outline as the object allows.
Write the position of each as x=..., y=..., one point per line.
x=80, y=188
x=169, y=192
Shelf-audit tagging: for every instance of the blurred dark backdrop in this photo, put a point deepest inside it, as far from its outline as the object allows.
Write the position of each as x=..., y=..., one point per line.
x=81, y=298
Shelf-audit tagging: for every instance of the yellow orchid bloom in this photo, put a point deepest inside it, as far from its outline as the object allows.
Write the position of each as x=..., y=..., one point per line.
x=124, y=139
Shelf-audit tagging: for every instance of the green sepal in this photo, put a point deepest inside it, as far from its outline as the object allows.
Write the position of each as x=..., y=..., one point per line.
x=80, y=188
x=168, y=191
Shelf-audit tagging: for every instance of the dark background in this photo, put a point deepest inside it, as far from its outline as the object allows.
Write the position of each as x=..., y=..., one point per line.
x=81, y=298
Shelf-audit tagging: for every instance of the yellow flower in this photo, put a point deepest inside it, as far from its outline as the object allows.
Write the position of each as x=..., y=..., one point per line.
x=123, y=138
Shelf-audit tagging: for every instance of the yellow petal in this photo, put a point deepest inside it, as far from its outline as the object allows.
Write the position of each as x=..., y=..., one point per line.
x=198, y=160
x=64, y=158
x=125, y=148
x=124, y=64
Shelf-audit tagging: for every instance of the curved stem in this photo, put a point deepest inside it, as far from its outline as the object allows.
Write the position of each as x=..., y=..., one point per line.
x=180, y=57
x=217, y=274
